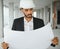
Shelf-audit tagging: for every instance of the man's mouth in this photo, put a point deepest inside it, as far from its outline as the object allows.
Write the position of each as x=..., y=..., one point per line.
x=29, y=15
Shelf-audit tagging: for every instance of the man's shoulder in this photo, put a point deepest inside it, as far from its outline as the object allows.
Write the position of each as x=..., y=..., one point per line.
x=18, y=19
x=37, y=19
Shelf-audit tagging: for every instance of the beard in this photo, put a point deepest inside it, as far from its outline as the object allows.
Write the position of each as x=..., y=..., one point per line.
x=28, y=16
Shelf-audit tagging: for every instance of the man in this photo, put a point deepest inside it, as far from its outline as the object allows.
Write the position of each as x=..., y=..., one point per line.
x=28, y=22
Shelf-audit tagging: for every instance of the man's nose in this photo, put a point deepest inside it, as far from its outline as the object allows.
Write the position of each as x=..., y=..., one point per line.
x=29, y=12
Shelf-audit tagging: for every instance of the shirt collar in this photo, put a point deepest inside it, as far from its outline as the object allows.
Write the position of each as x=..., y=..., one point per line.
x=29, y=21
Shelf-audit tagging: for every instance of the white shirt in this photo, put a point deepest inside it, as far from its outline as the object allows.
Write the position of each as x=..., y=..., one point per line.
x=28, y=26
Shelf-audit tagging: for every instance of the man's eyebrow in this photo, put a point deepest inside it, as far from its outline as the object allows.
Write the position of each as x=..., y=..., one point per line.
x=31, y=8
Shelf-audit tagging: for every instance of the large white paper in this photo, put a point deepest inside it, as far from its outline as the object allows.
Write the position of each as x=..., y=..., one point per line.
x=36, y=39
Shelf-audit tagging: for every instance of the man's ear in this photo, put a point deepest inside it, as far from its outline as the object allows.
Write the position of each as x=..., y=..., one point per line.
x=21, y=9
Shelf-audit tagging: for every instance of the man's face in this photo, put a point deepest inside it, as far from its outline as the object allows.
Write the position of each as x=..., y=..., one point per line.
x=28, y=12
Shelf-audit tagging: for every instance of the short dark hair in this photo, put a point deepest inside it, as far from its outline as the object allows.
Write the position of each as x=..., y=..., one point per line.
x=21, y=8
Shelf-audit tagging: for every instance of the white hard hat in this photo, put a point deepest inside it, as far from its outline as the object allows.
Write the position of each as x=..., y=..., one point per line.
x=26, y=4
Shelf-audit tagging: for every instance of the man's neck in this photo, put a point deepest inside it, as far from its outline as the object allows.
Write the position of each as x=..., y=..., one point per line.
x=28, y=19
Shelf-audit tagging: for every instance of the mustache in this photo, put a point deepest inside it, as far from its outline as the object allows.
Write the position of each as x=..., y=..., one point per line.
x=29, y=14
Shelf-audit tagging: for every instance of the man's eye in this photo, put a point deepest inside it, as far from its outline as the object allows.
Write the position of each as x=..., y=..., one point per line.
x=31, y=9
x=26, y=9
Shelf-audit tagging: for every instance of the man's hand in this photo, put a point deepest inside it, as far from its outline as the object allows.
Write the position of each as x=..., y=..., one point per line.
x=5, y=45
x=55, y=41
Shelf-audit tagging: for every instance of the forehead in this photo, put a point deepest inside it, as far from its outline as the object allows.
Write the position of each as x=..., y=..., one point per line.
x=27, y=8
